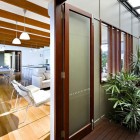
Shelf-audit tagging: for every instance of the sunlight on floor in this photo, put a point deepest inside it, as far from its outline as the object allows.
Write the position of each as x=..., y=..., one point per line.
x=36, y=126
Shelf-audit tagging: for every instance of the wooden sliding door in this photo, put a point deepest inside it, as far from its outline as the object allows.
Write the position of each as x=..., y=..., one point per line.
x=78, y=71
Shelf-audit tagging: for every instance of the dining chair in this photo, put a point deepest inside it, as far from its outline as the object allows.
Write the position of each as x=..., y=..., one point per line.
x=34, y=98
x=16, y=90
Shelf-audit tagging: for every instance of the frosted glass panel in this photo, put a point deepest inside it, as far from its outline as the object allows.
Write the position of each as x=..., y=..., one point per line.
x=79, y=72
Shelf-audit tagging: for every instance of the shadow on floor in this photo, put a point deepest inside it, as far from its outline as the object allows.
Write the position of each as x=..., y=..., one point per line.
x=8, y=123
x=4, y=107
x=47, y=138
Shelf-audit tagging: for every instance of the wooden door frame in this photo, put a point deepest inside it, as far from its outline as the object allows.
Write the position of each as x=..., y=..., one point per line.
x=88, y=128
x=59, y=106
x=58, y=91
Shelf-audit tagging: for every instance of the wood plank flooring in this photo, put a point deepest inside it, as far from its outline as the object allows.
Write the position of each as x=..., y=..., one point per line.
x=106, y=130
x=36, y=126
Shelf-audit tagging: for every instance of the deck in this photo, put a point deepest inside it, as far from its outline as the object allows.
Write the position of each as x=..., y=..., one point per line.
x=106, y=130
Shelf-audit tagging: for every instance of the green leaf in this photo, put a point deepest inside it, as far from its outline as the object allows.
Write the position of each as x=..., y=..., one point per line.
x=128, y=117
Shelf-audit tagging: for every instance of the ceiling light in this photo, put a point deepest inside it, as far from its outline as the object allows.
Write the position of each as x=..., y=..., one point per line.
x=24, y=35
x=16, y=40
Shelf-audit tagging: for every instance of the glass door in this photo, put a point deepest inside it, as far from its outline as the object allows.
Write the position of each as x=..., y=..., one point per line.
x=78, y=68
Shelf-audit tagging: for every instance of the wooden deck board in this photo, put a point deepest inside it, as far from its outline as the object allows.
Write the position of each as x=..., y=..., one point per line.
x=106, y=130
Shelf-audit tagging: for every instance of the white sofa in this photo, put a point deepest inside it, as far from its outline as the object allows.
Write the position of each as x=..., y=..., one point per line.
x=41, y=78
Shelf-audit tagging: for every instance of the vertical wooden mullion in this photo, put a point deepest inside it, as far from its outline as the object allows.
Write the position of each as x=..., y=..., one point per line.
x=58, y=69
x=132, y=44
x=115, y=49
x=110, y=51
x=129, y=52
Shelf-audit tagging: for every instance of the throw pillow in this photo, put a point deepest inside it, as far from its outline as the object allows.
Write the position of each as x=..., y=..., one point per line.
x=47, y=75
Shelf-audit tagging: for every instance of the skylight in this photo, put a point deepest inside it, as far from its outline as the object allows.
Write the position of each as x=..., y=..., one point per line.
x=138, y=11
x=135, y=3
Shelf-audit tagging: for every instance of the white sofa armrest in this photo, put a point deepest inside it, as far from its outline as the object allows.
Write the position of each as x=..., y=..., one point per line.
x=37, y=81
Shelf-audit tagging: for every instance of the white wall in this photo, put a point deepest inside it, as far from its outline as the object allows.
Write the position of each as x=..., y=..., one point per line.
x=126, y=20
x=136, y=26
x=52, y=65
x=109, y=10
x=32, y=56
x=112, y=12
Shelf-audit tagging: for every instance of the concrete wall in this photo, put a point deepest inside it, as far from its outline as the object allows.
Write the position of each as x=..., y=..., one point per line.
x=114, y=13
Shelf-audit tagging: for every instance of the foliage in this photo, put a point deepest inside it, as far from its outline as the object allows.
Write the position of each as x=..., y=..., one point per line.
x=136, y=62
x=104, y=59
x=125, y=96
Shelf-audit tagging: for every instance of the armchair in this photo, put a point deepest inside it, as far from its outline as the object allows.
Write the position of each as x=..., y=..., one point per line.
x=41, y=79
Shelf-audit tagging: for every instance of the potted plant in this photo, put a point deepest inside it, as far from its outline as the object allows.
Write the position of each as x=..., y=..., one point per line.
x=125, y=96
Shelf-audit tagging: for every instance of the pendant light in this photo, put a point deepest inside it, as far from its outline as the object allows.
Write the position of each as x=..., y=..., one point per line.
x=16, y=40
x=24, y=35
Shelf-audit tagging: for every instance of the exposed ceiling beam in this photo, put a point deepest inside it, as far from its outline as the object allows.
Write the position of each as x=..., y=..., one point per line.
x=22, y=45
x=21, y=28
x=7, y=36
x=29, y=42
x=28, y=6
x=18, y=18
x=11, y=32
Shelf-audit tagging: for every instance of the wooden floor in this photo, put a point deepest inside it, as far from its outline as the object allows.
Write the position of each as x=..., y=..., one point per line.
x=106, y=130
x=36, y=126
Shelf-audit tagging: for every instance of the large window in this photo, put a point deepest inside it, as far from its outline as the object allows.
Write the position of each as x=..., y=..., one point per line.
x=104, y=51
x=116, y=49
x=123, y=46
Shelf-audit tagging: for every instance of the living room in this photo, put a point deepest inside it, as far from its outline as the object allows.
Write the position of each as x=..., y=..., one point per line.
x=24, y=70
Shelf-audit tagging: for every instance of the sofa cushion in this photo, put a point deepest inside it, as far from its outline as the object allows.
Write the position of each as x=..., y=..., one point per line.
x=40, y=75
x=45, y=83
x=32, y=88
x=41, y=97
x=47, y=75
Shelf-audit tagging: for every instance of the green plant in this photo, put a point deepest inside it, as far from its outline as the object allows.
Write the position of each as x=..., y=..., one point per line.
x=125, y=96
x=136, y=62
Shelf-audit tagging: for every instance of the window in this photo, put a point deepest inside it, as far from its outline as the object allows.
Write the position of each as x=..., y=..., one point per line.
x=116, y=49
x=104, y=51
x=123, y=46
